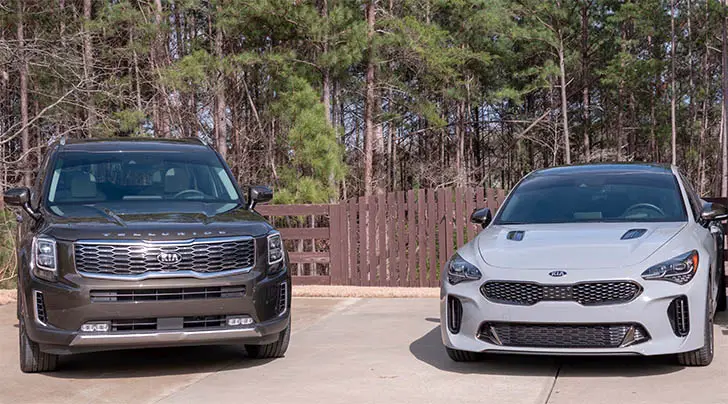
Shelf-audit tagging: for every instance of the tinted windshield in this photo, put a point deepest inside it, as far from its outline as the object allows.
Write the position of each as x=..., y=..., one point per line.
x=596, y=197
x=129, y=177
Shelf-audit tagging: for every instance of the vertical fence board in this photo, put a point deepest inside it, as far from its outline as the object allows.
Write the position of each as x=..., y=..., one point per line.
x=391, y=239
x=411, y=239
x=382, y=230
x=421, y=236
x=469, y=208
x=459, y=222
x=449, y=223
x=441, y=232
x=362, y=241
x=344, y=256
x=372, y=246
x=431, y=237
x=491, y=200
x=401, y=240
x=501, y=195
x=334, y=245
x=353, y=242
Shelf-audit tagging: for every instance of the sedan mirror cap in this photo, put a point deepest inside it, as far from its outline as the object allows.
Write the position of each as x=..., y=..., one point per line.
x=713, y=211
x=259, y=194
x=483, y=217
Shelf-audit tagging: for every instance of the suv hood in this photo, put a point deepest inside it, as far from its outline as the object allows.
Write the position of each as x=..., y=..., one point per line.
x=573, y=245
x=166, y=222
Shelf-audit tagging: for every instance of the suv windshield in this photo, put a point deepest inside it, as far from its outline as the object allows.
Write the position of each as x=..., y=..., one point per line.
x=128, y=177
x=596, y=197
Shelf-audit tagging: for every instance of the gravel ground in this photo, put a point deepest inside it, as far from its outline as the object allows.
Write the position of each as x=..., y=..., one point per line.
x=8, y=295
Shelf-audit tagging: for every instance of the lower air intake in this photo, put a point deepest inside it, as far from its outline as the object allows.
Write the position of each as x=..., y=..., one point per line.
x=679, y=315
x=41, y=315
x=563, y=335
x=454, y=314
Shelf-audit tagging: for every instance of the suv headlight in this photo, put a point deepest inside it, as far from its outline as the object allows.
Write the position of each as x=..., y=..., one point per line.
x=459, y=270
x=680, y=269
x=275, y=249
x=45, y=258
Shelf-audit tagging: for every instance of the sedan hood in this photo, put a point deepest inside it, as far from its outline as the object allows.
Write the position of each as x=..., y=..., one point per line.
x=573, y=245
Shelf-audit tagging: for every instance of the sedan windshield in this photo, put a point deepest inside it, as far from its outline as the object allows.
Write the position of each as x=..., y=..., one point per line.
x=127, y=177
x=596, y=197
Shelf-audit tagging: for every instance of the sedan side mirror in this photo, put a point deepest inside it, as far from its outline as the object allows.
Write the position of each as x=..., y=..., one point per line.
x=258, y=194
x=483, y=217
x=20, y=197
x=713, y=211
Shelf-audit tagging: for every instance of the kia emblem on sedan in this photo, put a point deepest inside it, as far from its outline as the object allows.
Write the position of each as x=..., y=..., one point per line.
x=557, y=274
x=169, y=258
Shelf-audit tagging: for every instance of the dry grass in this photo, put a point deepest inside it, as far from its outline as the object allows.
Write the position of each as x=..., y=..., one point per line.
x=362, y=291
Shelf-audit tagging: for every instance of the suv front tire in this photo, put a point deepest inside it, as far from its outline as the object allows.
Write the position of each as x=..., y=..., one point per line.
x=32, y=359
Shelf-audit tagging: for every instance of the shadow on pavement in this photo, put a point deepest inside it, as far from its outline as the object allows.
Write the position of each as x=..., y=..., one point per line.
x=721, y=320
x=154, y=362
x=429, y=349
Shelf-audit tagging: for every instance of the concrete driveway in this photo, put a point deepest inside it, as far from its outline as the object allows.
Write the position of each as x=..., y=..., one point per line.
x=358, y=351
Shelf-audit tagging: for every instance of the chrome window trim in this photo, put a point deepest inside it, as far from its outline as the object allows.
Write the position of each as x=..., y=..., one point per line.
x=168, y=243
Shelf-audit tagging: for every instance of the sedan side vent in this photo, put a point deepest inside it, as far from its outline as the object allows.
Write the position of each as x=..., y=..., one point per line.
x=515, y=235
x=633, y=234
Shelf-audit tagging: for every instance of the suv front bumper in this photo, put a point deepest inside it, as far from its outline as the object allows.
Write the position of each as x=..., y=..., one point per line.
x=68, y=304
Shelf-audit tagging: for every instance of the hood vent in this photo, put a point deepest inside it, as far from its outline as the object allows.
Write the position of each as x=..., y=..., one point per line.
x=633, y=233
x=515, y=235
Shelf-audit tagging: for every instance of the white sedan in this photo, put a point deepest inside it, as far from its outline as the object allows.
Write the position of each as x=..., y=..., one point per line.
x=611, y=259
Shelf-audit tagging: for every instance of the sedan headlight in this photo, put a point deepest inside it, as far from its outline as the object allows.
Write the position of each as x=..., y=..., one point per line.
x=45, y=258
x=680, y=269
x=459, y=270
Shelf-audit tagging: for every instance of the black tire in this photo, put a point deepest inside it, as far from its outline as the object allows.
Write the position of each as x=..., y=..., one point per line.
x=32, y=359
x=273, y=350
x=463, y=356
x=704, y=355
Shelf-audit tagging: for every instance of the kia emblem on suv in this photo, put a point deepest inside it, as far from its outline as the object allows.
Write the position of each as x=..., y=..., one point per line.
x=557, y=274
x=169, y=258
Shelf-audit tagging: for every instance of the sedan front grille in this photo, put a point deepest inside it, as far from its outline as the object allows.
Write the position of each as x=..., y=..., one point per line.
x=130, y=258
x=145, y=295
x=563, y=336
x=587, y=293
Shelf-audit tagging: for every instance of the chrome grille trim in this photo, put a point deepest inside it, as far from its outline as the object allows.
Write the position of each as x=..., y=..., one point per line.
x=592, y=293
x=225, y=256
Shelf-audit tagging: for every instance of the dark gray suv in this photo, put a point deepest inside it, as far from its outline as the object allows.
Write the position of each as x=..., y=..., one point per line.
x=145, y=243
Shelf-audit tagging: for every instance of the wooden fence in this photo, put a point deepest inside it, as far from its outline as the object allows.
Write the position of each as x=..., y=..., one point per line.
x=394, y=239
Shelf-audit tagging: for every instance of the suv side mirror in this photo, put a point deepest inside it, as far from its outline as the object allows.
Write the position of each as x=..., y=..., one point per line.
x=20, y=197
x=258, y=194
x=714, y=211
x=483, y=217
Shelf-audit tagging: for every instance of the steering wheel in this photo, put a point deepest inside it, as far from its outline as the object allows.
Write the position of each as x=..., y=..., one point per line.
x=643, y=206
x=189, y=192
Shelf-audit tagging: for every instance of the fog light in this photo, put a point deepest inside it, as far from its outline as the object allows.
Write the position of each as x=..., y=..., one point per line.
x=99, y=326
x=237, y=321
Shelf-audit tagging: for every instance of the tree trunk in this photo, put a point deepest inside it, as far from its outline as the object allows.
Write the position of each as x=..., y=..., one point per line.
x=672, y=84
x=219, y=120
x=25, y=134
x=724, y=122
x=564, y=106
x=585, y=76
x=88, y=63
x=370, y=100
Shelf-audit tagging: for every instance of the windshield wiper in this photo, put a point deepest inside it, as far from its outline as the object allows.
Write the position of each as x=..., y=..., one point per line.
x=110, y=214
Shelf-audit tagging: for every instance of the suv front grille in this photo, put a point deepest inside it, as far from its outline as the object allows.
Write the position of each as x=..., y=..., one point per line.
x=144, y=295
x=134, y=324
x=204, y=322
x=563, y=336
x=138, y=258
x=587, y=293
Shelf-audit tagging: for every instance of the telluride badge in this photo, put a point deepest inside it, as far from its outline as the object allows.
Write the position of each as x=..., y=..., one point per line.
x=557, y=274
